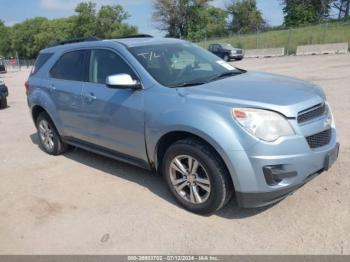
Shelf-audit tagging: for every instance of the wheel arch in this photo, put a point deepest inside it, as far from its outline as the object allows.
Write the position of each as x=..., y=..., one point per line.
x=171, y=137
x=36, y=111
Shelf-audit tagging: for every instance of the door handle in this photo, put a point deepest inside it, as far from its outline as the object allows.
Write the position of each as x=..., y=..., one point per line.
x=90, y=97
x=52, y=88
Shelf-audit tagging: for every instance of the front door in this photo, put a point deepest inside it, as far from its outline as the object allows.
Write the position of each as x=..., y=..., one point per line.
x=113, y=117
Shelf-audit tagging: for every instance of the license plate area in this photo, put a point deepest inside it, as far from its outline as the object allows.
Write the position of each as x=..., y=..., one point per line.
x=331, y=157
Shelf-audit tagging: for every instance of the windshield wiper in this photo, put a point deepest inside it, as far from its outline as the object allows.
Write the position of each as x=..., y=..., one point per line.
x=226, y=74
x=214, y=78
x=190, y=83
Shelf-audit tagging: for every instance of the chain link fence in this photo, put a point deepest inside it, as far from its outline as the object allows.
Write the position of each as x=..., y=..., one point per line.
x=289, y=38
x=14, y=65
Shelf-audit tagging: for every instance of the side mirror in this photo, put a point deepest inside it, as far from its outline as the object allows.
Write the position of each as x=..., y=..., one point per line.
x=122, y=81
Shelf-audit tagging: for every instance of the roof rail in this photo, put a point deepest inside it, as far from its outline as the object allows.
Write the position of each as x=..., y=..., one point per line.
x=135, y=36
x=75, y=40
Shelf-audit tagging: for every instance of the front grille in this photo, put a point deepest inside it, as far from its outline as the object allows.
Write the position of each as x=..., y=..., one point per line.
x=239, y=51
x=320, y=139
x=311, y=113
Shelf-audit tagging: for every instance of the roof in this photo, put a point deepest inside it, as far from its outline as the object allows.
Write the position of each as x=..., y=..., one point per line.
x=133, y=42
x=128, y=42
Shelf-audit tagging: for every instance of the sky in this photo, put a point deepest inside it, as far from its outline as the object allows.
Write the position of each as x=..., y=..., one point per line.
x=14, y=11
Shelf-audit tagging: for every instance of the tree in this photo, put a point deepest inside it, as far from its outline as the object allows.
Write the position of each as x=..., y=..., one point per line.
x=109, y=22
x=5, y=43
x=211, y=23
x=245, y=16
x=303, y=12
x=52, y=31
x=343, y=7
x=32, y=35
x=179, y=17
x=23, y=37
x=84, y=23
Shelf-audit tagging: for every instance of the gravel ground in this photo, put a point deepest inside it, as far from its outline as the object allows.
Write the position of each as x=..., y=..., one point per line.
x=82, y=203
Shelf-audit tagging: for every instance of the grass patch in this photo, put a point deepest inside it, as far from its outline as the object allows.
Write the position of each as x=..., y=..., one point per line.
x=290, y=39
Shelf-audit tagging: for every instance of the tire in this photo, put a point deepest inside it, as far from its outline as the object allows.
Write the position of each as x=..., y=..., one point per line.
x=210, y=169
x=226, y=58
x=3, y=102
x=49, y=139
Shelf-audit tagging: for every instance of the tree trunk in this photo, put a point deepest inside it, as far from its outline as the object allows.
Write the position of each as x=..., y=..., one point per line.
x=347, y=9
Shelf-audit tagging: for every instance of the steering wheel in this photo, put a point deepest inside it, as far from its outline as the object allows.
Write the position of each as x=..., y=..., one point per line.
x=184, y=70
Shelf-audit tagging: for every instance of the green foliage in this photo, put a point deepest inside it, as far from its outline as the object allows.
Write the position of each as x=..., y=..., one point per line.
x=211, y=22
x=84, y=23
x=245, y=16
x=196, y=19
x=5, y=43
x=23, y=37
x=191, y=19
x=304, y=12
x=32, y=35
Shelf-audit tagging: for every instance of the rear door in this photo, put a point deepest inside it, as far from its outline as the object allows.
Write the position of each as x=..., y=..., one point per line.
x=216, y=50
x=113, y=117
x=66, y=83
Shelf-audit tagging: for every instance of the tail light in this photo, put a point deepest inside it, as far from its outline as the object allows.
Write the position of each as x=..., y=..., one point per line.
x=26, y=85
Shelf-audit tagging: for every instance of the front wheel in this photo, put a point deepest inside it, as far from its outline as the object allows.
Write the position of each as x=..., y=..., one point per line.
x=196, y=176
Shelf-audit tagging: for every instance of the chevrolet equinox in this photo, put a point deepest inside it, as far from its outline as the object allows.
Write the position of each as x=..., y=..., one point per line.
x=212, y=130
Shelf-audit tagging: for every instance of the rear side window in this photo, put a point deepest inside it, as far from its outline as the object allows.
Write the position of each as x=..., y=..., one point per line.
x=71, y=66
x=40, y=62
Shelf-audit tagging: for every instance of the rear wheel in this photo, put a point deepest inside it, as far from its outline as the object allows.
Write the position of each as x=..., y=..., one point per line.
x=3, y=102
x=50, y=140
x=196, y=176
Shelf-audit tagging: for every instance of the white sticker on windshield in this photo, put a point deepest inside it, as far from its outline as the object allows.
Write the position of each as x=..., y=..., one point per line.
x=226, y=65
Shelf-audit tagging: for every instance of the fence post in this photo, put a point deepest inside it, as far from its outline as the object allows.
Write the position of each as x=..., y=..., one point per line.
x=289, y=39
x=257, y=38
x=325, y=33
x=18, y=62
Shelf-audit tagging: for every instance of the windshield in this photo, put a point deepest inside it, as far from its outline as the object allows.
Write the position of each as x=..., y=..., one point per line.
x=227, y=46
x=181, y=64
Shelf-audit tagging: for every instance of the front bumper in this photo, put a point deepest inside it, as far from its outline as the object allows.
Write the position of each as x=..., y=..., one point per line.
x=251, y=200
x=237, y=56
x=292, y=160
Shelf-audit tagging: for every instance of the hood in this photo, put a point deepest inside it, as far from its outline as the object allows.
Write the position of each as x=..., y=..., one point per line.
x=261, y=90
x=234, y=49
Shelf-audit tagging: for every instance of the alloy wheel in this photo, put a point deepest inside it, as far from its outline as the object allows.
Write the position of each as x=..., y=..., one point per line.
x=190, y=179
x=46, y=135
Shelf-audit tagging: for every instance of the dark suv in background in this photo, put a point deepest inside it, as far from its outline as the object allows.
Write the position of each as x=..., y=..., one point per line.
x=3, y=94
x=226, y=51
x=2, y=66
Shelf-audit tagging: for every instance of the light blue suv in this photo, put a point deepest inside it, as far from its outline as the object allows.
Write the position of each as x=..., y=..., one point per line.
x=163, y=104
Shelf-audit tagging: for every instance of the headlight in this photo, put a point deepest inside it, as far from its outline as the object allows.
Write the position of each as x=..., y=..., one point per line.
x=234, y=52
x=264, y=124
x=330, y=117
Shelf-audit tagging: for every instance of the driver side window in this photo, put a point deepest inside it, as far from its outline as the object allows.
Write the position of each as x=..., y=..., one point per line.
x=104, y=63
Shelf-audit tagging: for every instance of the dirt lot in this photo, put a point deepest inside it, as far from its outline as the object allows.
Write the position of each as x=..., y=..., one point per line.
x=83, y=203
